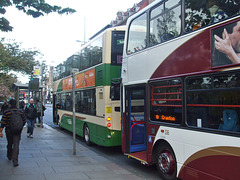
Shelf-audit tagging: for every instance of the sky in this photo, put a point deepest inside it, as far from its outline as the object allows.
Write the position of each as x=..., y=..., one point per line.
x=56, y=36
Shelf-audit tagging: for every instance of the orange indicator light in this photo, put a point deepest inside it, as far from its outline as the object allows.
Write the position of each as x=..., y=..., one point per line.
x=157, y=116
x=108, y=119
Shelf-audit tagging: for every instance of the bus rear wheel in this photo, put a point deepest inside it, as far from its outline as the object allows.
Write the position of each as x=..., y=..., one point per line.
x=86, y=135
x=166, y=162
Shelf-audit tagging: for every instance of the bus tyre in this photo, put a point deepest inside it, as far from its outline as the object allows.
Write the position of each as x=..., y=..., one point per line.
x=166, y=162
x=86, y=135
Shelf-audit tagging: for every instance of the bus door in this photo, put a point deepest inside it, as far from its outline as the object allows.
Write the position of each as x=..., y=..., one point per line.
x=136, y=119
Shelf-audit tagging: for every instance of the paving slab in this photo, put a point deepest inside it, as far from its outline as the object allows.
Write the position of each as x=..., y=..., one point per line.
x=49, y=156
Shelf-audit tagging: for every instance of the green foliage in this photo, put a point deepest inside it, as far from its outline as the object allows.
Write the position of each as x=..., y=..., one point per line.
x=13, y=58
x=34, y=8
x=5, y=25
x=8, y=79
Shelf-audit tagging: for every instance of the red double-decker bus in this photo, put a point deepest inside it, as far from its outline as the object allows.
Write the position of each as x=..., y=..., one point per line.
x=181, y=88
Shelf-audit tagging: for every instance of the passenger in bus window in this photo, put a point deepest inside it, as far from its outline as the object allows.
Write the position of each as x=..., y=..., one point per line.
x=203, y=13
x=229, y=44
x=216, y=13
x=195, y=15
x=230, y=121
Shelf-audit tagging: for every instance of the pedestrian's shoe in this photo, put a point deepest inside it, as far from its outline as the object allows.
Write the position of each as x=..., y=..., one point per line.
x=15, y=163
x=31, y=136
x=9, y=158
x=28, y=135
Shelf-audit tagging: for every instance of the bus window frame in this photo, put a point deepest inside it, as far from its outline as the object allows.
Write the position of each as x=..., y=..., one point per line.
x=114, y=45
x=182, y=121
x=213, y=90
x=207, y=25
x=82, y=92
x=128, y=32
x=150, y=19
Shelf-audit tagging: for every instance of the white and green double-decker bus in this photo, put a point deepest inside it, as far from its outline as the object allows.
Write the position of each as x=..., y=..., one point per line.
x=97, y=113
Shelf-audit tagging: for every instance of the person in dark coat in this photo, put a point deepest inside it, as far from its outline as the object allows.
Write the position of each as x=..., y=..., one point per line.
x=12, y=138
x=31, y=114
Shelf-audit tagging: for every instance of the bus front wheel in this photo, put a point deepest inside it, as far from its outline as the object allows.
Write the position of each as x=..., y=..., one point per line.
x=166, y=162
x=86, y=135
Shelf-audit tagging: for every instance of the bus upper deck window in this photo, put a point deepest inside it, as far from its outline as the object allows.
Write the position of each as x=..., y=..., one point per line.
x=171, y=3
x=165, y=23
x=137, y=34
x=202, y=13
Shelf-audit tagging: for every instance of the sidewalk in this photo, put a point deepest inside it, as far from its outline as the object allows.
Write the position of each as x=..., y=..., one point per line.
x=49, y=156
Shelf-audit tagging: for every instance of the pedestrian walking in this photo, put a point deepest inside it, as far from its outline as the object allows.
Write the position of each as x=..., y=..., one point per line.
x=13, y=121
x=31, y=114
x=22, y=105
x=39, y=110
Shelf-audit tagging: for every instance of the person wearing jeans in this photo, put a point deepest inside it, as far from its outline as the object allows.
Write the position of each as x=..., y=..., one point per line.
x=31, y=114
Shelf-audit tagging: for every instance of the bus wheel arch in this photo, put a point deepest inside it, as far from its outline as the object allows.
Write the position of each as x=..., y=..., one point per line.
x=86, y=134
x=165, y=159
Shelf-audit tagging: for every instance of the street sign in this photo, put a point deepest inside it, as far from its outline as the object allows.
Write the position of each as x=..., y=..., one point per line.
x=36, y=70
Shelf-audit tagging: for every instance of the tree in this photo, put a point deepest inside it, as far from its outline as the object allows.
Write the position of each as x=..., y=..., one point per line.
x=34, y=8
x=13, y=58
x=5, y=93
x=6, y=82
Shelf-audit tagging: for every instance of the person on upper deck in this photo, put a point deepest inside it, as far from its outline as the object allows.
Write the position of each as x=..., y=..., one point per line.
x=203, y=13
x=216, y=13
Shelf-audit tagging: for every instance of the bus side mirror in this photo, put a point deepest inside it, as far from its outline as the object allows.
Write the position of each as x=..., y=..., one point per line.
x=115, y=90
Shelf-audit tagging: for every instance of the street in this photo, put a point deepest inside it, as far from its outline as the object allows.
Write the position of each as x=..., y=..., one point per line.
x=113, y=154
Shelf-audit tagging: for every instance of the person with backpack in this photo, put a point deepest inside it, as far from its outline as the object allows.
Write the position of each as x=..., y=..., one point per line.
x=31, y=115
x=13, y=121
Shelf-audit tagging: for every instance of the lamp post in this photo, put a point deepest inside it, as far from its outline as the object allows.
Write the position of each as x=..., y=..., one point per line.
x=74, y=70
x=74, y=116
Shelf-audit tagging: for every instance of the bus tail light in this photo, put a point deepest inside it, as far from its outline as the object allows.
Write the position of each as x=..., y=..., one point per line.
x=108, y=118
x=109, y=124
